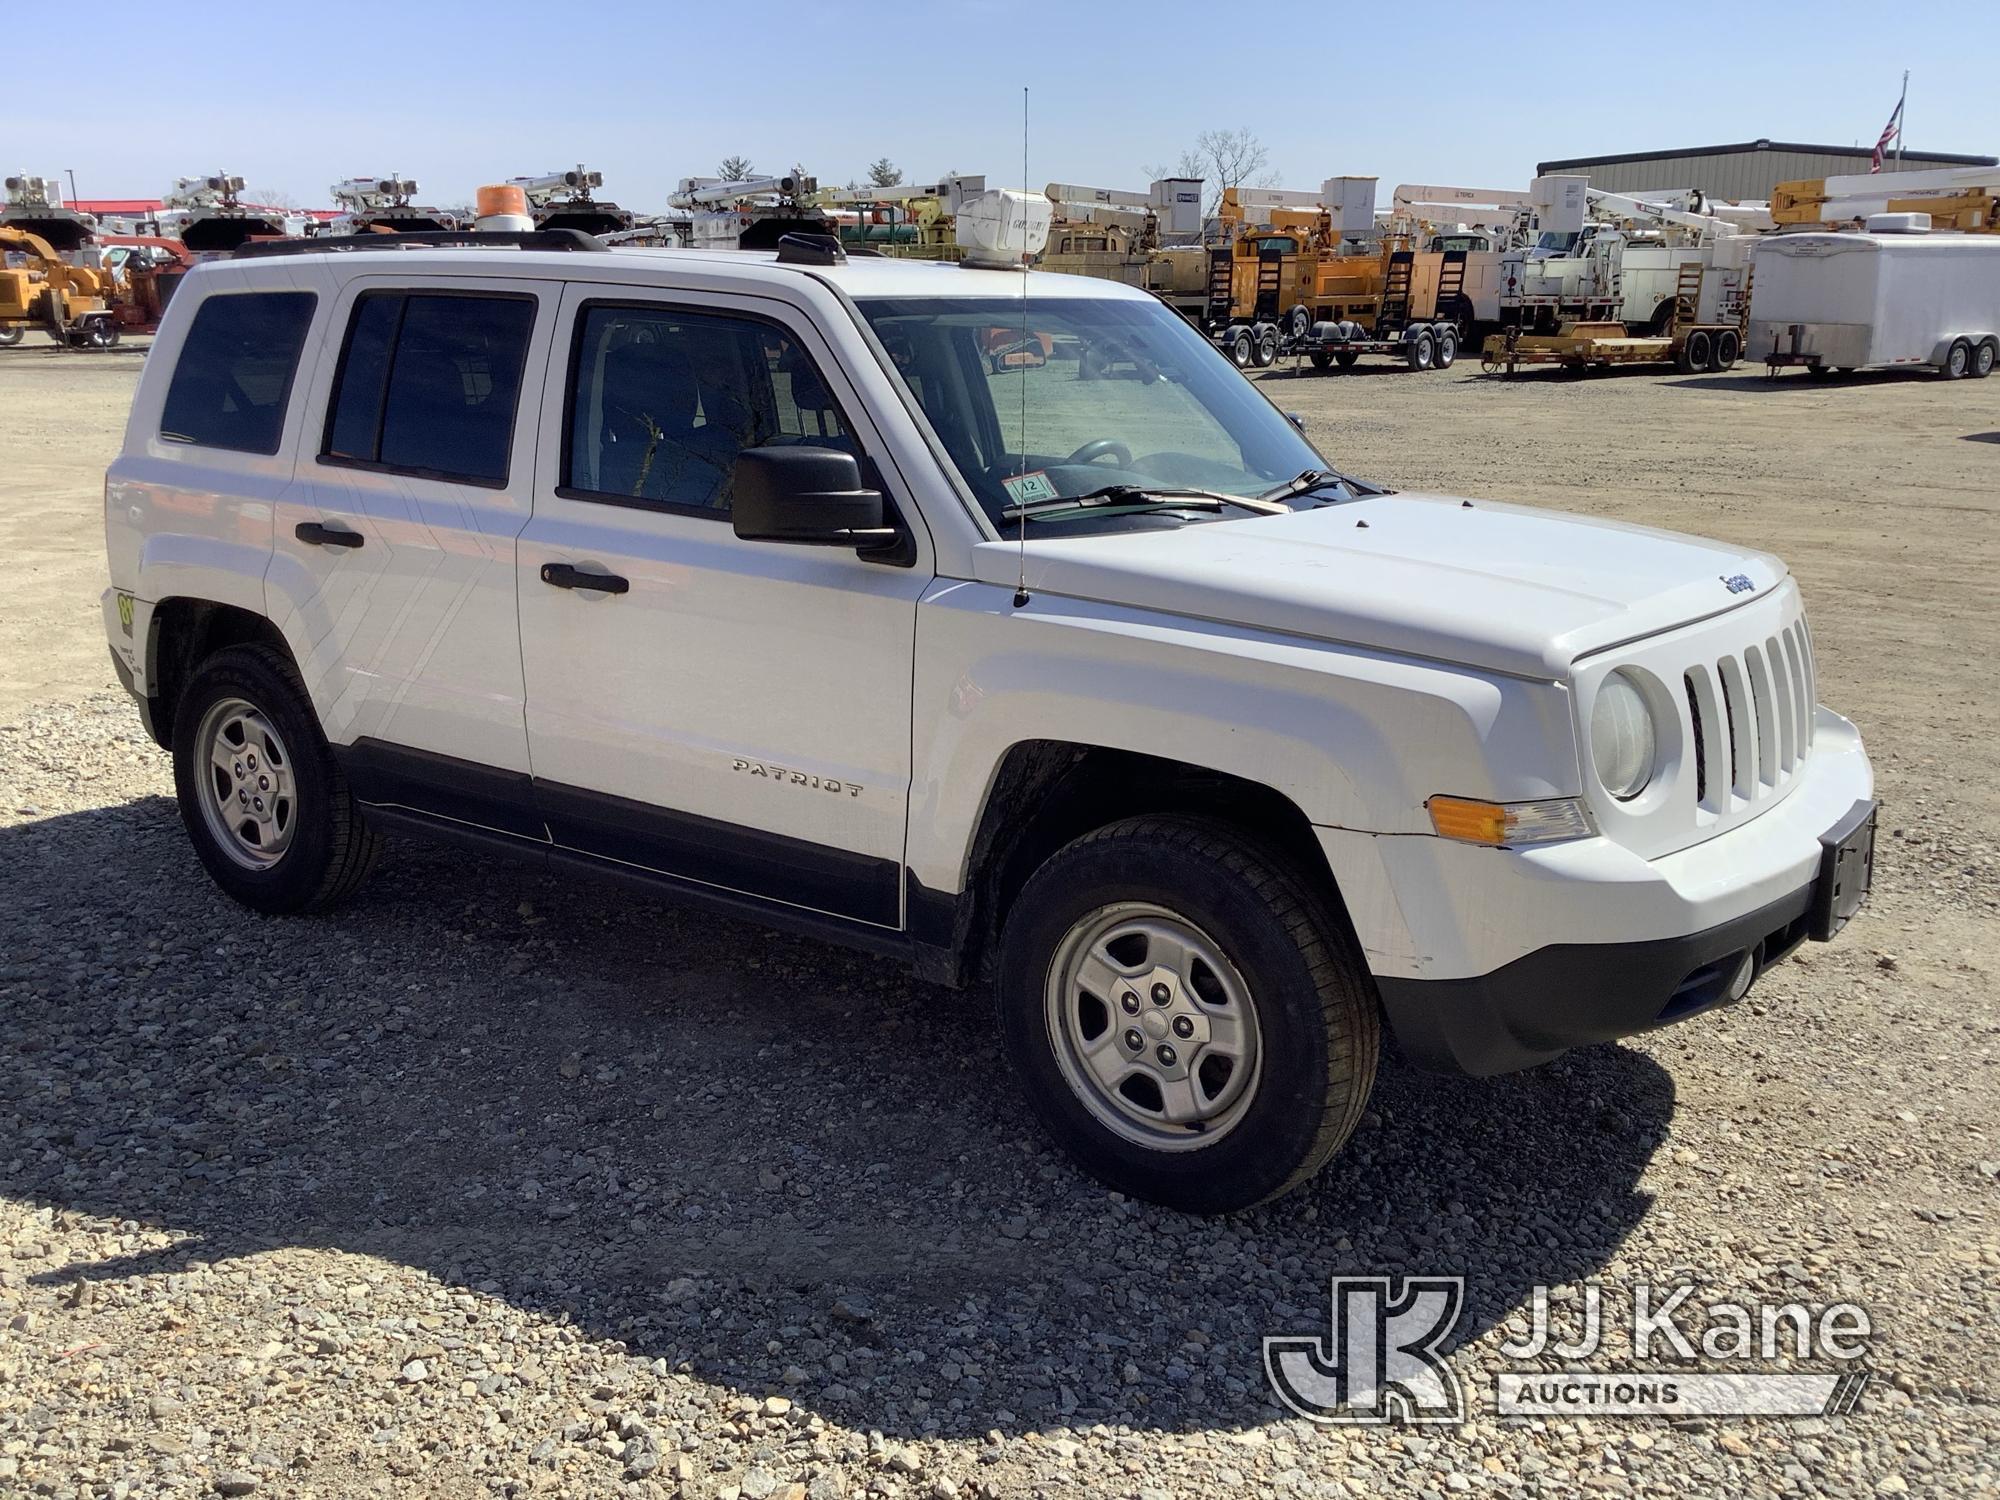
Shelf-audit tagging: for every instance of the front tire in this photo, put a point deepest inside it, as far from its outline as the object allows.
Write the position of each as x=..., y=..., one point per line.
x=262, y=798
x=1257, y=1030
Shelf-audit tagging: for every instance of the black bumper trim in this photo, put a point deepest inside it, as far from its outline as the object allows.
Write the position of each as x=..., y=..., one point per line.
x=1573, y=994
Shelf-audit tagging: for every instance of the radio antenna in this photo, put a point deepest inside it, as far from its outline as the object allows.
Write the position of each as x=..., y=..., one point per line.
x=1021, y=458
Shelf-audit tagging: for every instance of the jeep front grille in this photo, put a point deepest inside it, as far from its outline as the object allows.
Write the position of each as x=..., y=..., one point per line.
x=1750, y=714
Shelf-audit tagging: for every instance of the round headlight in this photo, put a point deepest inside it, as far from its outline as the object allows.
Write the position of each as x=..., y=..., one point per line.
x=1623, y=745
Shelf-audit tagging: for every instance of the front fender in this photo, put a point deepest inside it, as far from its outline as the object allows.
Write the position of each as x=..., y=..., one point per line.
x=1353, y=738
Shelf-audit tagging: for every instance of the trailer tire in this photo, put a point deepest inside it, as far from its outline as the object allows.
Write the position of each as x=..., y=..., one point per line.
x=1957, y=360
x=1420, y=351
x=1239, y=346
x=1694, y=352
x=1322, y=361
x=1447, y=347
x=1265, y=352
x=1299, y=322
x=1663, y=319
x=100, y=333
x=1982, y=360
x=1728, y=349
x=1345, y=358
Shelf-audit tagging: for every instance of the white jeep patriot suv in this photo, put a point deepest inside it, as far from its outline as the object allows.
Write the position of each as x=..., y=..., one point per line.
x=982, y=618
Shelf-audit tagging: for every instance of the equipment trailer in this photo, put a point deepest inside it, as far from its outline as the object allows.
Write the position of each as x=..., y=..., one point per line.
x=1337, y=343
x=1688, y=344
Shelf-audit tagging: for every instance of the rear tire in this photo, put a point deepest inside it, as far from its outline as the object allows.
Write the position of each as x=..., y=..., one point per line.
x=1264, y=353
x=1420, y=352
x=1957, y=360
x=1231, y=958
x=1345, y=358
x=1447, y=347
x=11, y=336
x=1240, y=347
x=1321, y=360
x=1728, y=349
x=1983, y=359
x=306, y=847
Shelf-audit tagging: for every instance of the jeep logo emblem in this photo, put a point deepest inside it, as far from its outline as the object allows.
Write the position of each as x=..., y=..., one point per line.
x=1738, y=583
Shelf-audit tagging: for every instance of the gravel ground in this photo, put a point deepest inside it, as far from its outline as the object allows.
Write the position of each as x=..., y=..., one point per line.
x=489, y=1184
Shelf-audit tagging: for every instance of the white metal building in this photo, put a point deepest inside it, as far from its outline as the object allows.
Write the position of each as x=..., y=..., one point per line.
x=1749, y=169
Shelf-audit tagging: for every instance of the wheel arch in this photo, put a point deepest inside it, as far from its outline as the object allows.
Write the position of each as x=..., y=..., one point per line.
x=185, y=631
x=1072, y=789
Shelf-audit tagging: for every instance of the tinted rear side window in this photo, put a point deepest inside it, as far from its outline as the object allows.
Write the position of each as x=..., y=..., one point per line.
x=429, y=385
x=236, y=370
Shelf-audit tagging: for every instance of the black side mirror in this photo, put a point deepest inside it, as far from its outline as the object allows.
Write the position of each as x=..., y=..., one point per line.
x=1297, y=419
x=806, y=495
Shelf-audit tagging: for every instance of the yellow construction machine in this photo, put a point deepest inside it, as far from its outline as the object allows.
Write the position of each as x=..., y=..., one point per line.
x=1312, y=274
x=38, y=288
x=1966, y=199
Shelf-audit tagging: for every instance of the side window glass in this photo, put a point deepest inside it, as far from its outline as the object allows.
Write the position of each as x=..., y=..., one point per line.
x=429, y=384
x=662, y=401
x=364, y=376
x=236, y=370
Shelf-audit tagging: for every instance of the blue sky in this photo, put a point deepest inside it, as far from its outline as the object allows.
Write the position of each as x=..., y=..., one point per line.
x=455, y=94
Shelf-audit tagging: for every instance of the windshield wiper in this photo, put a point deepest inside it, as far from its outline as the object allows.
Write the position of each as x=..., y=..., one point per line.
x=1319, y=479
x=1137, y=494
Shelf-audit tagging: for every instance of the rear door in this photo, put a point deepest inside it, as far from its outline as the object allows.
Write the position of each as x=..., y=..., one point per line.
x=396, y=543
x=738, y=716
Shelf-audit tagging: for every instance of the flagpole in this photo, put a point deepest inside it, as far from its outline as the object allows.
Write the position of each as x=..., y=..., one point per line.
x=1902, y=120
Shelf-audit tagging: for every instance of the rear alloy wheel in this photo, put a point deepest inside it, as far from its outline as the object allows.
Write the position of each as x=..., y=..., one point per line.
x=261, y=796
x=1188, y=1019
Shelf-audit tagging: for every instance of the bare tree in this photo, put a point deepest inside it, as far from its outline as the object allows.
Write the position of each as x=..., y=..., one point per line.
x=1223, y=159
x=272, y=198
x=736, y=169
x=884, y=173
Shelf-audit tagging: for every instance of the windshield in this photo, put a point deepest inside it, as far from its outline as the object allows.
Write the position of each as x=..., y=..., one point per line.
x=1061, y=397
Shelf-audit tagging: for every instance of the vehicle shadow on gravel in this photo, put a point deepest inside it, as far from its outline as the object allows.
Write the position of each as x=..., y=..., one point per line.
x=782, y=1165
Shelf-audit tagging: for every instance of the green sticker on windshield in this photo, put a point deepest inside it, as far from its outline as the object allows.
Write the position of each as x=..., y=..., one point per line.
x=1025, y=489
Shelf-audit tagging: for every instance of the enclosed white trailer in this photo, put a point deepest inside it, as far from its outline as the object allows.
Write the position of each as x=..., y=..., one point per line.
x=1840, y=302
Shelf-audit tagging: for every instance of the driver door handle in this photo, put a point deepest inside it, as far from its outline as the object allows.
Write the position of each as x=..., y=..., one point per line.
x=318, y=534
x=563, y=576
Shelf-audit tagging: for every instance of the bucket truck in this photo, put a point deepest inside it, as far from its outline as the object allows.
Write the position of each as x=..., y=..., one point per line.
x=34, y=205
x=917, y=220
x=752, y=213
x=1485, y=223
x=1149, y=239
x=381, y=205
x=562, y=200
x=1956, y=198
x=209, y=216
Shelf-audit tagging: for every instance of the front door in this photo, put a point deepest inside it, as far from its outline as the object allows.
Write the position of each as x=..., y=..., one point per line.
x=736, y=714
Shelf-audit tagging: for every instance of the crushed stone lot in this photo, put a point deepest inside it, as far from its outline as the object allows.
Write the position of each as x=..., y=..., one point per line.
x=490, y=1184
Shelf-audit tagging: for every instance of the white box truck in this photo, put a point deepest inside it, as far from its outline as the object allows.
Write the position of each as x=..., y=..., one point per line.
x=1895, y=295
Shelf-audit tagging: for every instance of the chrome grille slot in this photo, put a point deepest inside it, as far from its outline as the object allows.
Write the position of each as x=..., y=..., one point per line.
x=1759, y=674
x=1742, y=731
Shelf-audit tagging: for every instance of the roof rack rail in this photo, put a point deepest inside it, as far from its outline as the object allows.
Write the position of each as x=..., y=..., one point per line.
x=498, y=239
x=810, y=250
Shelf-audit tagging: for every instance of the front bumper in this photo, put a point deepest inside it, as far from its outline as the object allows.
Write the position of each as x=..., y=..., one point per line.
x=1490, y=960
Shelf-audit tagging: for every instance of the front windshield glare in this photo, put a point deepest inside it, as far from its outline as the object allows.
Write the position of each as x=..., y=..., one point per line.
x=1066, y=396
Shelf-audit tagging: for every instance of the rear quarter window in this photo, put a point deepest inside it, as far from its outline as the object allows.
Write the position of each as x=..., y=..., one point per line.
x=235, y=371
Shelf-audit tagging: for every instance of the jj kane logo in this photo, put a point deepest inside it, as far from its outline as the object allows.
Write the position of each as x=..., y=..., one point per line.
x=1379, y=1361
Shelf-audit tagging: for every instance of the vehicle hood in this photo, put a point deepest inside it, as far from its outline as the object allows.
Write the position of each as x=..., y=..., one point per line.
x=1505, y=588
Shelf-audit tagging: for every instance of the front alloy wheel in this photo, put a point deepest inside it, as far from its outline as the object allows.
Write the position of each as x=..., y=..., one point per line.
x=1187, y=1012
x=1153, y=1028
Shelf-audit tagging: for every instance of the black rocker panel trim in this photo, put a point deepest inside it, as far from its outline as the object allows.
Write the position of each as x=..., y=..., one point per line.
x=686, y=846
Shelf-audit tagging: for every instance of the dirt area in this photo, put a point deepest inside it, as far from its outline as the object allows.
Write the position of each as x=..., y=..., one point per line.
x=491, y=1184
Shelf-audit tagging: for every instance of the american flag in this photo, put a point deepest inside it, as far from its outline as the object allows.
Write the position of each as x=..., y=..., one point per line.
x=1889, y=134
